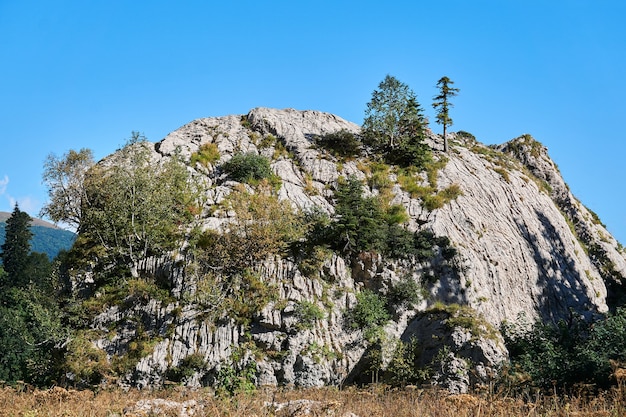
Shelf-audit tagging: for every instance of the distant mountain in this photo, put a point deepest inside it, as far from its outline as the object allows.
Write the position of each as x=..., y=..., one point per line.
x=47, y=237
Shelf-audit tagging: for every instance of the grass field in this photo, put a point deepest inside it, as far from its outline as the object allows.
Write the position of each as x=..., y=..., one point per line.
x=376, y=401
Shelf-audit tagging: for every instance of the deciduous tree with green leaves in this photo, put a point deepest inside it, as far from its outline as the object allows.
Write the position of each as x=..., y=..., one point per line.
x=65, y=179
x=442, y=105
x=125, y=208
x=394, y=123
x=137, y=206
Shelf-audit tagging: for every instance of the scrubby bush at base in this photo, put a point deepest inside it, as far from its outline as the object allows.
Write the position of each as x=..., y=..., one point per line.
x=567, y=353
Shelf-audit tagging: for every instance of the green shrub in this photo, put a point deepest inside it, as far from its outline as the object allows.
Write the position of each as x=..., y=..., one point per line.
x=251, y=296
x=186, y=368
x=409, y=183
x=370, y=314
x=142, y=289
x=84, y=361
x=268, y=141
x=396, y=214
x=503, y=173
x=235, y=378
x=432, y=170
x=567, y=353
x=404, y=367
x=399, y=242
x=451, y=193
x=307, y=314
x=207, y=154
x=433, y=202
x=360, y=223
x=466, y=135
x=380, y=176
x=248, y=168
x=437, y=201
x=342, y=143
x=405, y=293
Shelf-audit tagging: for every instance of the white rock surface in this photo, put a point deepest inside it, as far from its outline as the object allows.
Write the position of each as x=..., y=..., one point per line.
x=517, y=254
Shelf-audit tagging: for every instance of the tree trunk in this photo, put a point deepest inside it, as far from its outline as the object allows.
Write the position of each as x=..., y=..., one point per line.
x=445, y=139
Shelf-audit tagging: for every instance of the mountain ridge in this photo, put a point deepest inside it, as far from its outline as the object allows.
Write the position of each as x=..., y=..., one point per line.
x=4, y=215
x=47, y=237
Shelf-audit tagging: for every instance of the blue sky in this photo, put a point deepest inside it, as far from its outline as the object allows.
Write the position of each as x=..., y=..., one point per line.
x=77, y=74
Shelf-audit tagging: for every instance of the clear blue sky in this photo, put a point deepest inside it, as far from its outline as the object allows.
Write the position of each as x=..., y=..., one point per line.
x=77, y=74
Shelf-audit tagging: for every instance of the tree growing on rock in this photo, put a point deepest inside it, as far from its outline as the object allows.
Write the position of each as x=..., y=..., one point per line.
x=138, y=206
x=394, y=123
x=125, y=209
x=65, y=179
x=442, y=105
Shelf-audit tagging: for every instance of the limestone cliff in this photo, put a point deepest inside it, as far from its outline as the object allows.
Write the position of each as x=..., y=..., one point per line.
x=524, y=245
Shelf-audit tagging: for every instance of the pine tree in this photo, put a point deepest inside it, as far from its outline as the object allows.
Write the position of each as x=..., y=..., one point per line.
x=16, y=248
x=30, y=327
x=442, y=103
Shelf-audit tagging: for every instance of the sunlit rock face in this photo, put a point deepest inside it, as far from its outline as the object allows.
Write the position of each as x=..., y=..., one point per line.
x=524, y=246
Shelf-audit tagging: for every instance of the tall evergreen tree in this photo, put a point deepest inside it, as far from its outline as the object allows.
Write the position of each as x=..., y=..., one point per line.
x=30, y=327
x=16, y=248
x=442, y=104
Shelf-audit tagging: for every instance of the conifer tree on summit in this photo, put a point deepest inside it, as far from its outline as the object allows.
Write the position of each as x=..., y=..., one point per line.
x=442, y=104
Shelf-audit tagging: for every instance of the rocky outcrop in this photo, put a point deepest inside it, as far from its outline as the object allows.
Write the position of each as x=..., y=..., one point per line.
x=605, y=253
x=516, y=253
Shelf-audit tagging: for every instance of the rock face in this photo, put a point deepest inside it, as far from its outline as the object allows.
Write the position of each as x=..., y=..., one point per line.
x=524, y=245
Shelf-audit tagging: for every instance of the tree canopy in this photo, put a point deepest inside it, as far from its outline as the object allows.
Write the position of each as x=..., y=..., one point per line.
x=65, y=179
x=126, y=208
x=30, y=327
x=394, y=123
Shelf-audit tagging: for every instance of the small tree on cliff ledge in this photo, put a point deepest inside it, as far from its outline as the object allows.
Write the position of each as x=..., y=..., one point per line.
x=442, y=105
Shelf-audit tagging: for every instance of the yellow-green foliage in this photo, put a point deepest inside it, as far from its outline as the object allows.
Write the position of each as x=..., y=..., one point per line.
x=396, y=214
x=88, y=363
x=249, y=295
x=525, y=142
x=263, y=226
x=268, y=141
x=207, y=154
x=410, y=184
x=451, y=193
x=432, y=169
x=379, y=175
x=431, y=199
x=465, y=317
x=140, y=346
x=146, y=289
x=309, y=187
x=504, y=173
x=311, y=264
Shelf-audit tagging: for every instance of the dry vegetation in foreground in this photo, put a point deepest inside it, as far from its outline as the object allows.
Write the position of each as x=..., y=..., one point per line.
x=375, y=401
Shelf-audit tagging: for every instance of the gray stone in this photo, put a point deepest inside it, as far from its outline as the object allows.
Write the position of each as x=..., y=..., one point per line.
x=516, y=254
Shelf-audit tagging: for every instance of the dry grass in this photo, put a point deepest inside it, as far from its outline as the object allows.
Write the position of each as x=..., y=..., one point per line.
x=375, y=402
